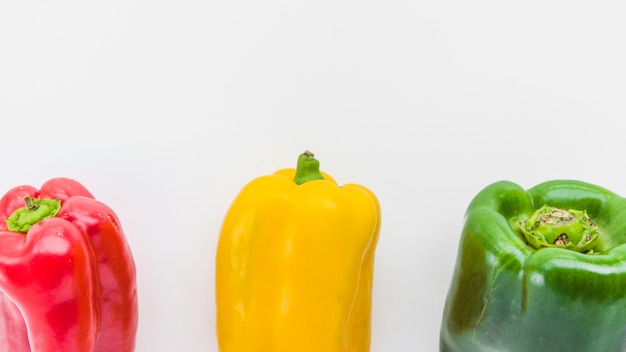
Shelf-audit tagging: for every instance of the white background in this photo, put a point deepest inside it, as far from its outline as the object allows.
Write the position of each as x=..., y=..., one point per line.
x=165, y=109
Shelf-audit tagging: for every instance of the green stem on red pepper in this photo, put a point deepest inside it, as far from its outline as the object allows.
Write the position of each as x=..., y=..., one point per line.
x=34, y=211
x=308, y=168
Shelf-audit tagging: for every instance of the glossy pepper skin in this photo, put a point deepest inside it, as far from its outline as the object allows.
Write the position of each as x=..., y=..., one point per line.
x=507, y=295
x=294, y=264
x=67, y=278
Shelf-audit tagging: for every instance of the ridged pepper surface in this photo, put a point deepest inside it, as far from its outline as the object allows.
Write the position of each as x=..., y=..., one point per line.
x=67, y=276
x=294, y=264
x=540, y=270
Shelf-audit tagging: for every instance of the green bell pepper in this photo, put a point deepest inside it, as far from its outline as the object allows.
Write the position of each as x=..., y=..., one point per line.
x=542, y=269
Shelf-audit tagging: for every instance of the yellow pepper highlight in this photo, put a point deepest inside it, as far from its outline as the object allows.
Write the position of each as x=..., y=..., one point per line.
x=294, y=265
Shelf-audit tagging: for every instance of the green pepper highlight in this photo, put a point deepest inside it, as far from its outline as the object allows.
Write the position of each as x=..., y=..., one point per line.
x=519, y=285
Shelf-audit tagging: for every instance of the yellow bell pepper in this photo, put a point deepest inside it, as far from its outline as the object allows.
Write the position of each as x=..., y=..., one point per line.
x=294, y=264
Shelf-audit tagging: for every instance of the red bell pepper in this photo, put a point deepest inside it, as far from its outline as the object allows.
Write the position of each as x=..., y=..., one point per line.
x=67, y=275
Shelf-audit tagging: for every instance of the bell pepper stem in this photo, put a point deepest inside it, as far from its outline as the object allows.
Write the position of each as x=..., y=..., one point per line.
x=308, y=168
x=30, y=205
x=568, y=229
x=34, y=211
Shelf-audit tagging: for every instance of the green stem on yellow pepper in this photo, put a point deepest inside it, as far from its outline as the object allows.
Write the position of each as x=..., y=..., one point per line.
x=308, y=168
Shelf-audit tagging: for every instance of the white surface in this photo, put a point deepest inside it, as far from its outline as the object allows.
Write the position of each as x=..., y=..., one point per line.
x=165, y=109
